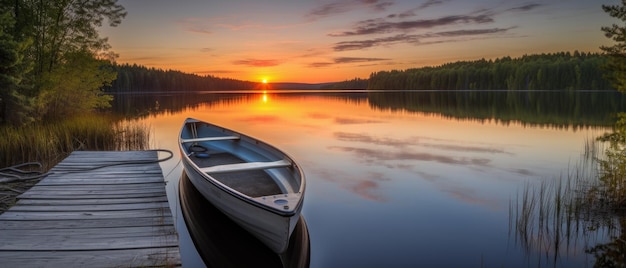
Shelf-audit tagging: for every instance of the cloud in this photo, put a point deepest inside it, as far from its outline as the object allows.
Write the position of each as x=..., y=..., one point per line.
x=380, y=26
x=261, y=119
x=196, y=25
x=353, y=121
x=523, y=171
x=257, y=62
x=411, y=12
x=415, y=38
x=430, y=3
x=362, y=44
x=320, y=64
x=319, y=116
x=342, y=60
x=350, y=59
x=364, y=138
x=467, y=195
x=367, y=190
x=524, y=8
x=216, y=72
x=379, y=157
x=344, y=6
x=415, y=141
x=366, y=185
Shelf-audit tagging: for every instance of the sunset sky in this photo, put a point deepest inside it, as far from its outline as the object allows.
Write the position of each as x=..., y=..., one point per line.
x=323, y=41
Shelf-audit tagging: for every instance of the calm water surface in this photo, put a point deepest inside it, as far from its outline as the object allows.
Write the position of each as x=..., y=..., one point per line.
x=391, y=185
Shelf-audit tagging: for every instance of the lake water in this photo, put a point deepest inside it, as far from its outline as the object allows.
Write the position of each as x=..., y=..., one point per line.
x=401, y=179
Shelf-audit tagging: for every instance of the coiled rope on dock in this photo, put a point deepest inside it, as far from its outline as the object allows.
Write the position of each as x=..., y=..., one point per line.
x=121, y=163
x=17, y=179
x=14, y=173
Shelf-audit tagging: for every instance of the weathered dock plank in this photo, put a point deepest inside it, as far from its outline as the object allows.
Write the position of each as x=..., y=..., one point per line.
x=95, y=209
x=88, y=223
x=99, y=201
x=145, y=257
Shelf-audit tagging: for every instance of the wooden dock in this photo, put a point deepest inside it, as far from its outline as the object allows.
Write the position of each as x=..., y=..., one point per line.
x=84, y=216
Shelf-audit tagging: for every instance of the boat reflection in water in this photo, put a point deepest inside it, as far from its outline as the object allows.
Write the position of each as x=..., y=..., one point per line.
x=222, y=243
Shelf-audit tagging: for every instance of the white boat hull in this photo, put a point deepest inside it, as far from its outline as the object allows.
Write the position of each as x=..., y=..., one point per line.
x=270, y=218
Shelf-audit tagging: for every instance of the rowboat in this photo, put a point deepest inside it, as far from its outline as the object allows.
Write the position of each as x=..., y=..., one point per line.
x=255, y=184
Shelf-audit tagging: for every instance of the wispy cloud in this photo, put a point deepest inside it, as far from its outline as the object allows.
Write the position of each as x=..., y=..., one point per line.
x=196, y=25
x=380, y=157
x=411, y=12
x=344, y=6
x=402, y=31
x=368, y=190
x=353, y=121
x=258, y=62
x=342, y=60
x=526, y=7
x=430, y=3
x=262, y=119
x=380, y=26
x=417, y=141
x=415, y=38
x=351, y=59
x=215, y=72
x=367, y=185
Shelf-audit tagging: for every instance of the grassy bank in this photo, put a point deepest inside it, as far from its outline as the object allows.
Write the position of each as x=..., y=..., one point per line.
x=49, y=143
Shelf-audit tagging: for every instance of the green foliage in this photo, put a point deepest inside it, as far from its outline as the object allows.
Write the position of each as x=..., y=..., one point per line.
x=617, y=52
x=558, y=71
x=61, y=26
x=613, y=167
x=55, y=58
x=75, y=87
x=13, y=69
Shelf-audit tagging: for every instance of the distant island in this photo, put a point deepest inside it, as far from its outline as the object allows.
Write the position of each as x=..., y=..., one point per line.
x=553, y=71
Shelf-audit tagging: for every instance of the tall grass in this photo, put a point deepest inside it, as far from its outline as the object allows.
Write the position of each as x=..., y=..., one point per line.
x=48, y=143
x=582, y=209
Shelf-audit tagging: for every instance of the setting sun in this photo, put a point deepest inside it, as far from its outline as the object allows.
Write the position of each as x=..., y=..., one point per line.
x=264, y=81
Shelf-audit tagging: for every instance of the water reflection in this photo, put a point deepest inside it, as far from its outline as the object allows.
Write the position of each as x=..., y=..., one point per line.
x=584, y=211
x=557, y=109
x=222, y=243
x=404, y=186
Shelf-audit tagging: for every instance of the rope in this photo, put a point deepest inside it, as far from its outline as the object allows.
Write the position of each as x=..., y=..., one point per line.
x=13, y=173
x=121, y=163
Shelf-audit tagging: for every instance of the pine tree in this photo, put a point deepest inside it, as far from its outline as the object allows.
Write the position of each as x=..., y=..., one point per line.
x=616, y=52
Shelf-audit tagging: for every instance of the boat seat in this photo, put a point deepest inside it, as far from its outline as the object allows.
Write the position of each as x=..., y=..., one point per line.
x=246, y=166
x=222, y=138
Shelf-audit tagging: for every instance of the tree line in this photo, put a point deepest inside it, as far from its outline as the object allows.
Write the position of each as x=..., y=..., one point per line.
x=136, y=78
x=553, y=71
x=356, y=83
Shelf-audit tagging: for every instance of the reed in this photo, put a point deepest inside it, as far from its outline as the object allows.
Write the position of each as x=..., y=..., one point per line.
x=49, y=143
x=580, y=209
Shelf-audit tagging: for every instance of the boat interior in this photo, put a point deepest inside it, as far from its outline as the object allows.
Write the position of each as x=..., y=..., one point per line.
x=239, y=162
x=253, y=183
